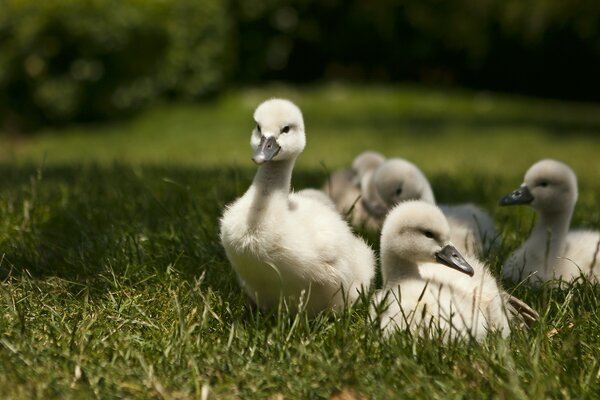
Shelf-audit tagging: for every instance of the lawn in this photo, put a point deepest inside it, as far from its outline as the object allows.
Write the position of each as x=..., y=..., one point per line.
x=114, y=283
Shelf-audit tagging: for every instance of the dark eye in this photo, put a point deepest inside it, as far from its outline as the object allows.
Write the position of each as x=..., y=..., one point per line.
x=258, y=128
x=398, y=191
x=285, y=129
x=543, y=183
x=429, y=234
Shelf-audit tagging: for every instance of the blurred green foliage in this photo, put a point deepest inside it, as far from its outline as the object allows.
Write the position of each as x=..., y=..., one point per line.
x=64, y=60
x=542, y=47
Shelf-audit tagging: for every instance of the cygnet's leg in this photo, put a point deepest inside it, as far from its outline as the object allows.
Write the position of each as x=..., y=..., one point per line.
x=250, y=308
x=521, y=309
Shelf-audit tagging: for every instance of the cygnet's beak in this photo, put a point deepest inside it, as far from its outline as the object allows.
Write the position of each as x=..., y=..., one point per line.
x=267, y=149
x=451, y=257
x=520, y=196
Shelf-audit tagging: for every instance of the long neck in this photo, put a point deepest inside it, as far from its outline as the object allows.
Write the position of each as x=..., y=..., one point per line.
x=549, y=233
x=271, y=186
x=273, y=177
x=427, y=192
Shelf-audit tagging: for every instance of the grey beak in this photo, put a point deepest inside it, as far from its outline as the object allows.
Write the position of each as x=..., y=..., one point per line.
x=450, y=257
x=520, y=196
x=267, y=149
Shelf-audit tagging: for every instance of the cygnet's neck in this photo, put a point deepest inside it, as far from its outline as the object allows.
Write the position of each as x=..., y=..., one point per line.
x=427, y=193
x=397, y=269
x=371, y=200
x=273, y=178
x=550, y=231
x=270, y=188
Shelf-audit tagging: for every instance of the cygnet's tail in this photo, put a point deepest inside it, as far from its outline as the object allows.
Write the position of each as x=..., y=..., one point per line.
x=520, y=310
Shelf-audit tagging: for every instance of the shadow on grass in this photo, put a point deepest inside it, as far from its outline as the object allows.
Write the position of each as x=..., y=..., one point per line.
x=90, y=224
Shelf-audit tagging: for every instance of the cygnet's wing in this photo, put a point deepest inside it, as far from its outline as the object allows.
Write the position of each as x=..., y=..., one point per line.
x=521, y=310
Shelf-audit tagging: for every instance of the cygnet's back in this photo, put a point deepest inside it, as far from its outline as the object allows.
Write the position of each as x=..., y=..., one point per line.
x=472, y=229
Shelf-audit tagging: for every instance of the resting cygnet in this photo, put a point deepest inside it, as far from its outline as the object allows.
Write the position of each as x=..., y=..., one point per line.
x=397, y=180
x=429, y=288
x=285, y=246
x=552, y=252
x=344, y=187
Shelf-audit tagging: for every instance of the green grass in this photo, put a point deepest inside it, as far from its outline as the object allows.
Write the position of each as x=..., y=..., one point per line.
x=114, y=283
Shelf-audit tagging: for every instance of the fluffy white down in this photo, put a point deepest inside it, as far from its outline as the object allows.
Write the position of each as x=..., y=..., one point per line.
x=552, y=252
x=286, y=246
x=425, y=296
x=318, y=195
x=578, y=255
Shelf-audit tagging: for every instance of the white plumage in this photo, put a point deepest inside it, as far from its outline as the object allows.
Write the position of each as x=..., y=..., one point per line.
x=318, y=195
x=552, y=252
x=286, y=246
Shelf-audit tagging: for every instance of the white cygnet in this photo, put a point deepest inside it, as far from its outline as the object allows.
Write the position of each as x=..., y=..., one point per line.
x=429, y=288
x=552, y=252
x=285, y=246
x=397, y=180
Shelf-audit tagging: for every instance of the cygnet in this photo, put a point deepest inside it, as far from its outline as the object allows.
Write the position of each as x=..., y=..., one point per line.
x=429, y=287
x=552, y=252
x=289, y=247
x=397, y=180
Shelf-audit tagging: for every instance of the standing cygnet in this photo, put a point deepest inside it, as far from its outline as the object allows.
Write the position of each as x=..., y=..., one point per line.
x=397, y=180
x=552, y=252
x=343, y=187
x=429, y=287
x=285, y=246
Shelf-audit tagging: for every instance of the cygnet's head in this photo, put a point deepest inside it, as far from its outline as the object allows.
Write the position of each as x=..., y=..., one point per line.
x=396, y=180
x=417, y=232
x=550, y=186
x=367, y=161
x=279, y=131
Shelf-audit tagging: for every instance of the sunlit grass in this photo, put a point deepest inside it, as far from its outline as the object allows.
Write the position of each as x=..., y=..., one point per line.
x=443, y=132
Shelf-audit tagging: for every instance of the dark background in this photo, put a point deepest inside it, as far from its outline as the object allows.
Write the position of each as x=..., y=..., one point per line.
x=68, y=60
